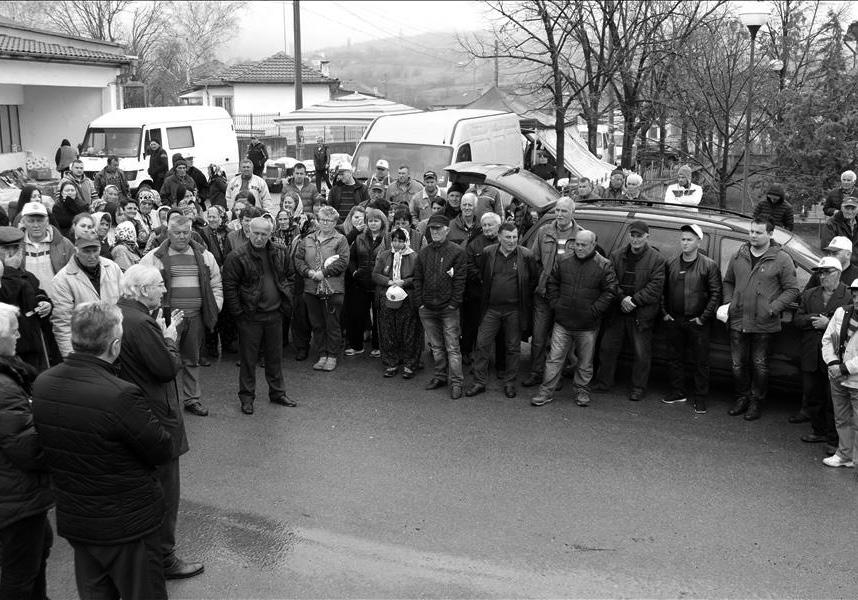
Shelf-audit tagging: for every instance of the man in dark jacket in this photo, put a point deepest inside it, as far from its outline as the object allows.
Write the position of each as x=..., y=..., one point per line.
x=508, y=278
x=836, y=196
x=775, y=207
x=158, y=164
x=25, y=493
x=179, y=178
x=257, y=154
x=321, y=163
x=349, y=193
x=257, y=291
x=759, y=284
x=580, y=290
x=472, y=301
x=842, y=224
x=692, y=294
x=199, y=180
x=640, y=275
x=111, y=175
x=439, y=285
x=102, y=445
x=150, y=359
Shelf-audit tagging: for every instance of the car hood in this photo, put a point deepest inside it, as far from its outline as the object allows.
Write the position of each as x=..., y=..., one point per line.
x=515, y=181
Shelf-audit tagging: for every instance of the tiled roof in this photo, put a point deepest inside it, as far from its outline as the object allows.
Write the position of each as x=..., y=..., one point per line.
x=12, y=46
x=279, y=68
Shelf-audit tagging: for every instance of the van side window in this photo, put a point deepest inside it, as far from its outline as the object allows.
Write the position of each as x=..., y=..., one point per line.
x=729, y=247
x=180, y=137
x=152, y=134
x=464, y=153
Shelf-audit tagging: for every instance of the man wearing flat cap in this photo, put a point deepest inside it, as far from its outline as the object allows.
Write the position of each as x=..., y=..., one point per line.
x=692, y=294
x=640, y=275
x=439, y=285
x=46, y=250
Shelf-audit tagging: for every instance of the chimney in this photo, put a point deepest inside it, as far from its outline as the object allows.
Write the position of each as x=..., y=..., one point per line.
x=325, y=67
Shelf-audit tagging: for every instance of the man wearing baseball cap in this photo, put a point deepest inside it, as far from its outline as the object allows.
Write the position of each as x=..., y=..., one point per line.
x=404, y=191
x=692, y=295
x=816, y=307
x=640, y=275
x=381, y=175
x=421, y=207
x=46, y=250
x=842, y=223
x=840, y=248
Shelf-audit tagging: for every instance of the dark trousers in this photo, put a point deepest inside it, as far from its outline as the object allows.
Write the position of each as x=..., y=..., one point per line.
x=401, y=335
x=265, y=331
x=357, y=317
x=543, y=322
x=470, y=311
x=749, y=355
x=817, y=393
x=325, y=320
x=688, y=344
x=322, y=175
x=168, y=475
x=224, y=332
x=132, y=571
x=301, y=330
x=617, y=330
x=24, y=549
x=494, y=320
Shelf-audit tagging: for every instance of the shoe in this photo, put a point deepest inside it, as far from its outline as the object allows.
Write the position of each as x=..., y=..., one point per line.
x=739, y=407
x=353, y=352
x=320, y=364
x=475, y=389
x=212, y=352
x=509, y=391
x=260, y=364
x=601, y=387
x=830, y=449
x=532, y=380
x=375, y=353
x=674, y=398
x=330, y=364
x=247, y=408
x=467, y=359
x=797, y=418
x=813, y=438
x=754, y=411
x=301, y=354
x=196, y=408
x=582, y=399
x=391, y=371
x=540, y=400
x=835, y=460
x=436, y=383
x=455, y=392
x=284, y=400
x=699, y=405
x=180, y=569
x=407, y=373
x=636, y=395
x=204, y=362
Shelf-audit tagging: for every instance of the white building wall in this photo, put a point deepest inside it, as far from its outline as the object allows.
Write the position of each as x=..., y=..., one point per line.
x=30, y=72
x=275, y=98
x=50, y=114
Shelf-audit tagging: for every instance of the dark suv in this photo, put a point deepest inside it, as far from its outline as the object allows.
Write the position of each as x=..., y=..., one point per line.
x=723, y=231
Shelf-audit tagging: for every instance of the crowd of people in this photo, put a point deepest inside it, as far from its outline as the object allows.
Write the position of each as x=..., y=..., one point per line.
x=131, y=296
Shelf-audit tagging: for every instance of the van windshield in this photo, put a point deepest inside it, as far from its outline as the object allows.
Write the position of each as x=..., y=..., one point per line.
x=103, y=141
x=418, y=158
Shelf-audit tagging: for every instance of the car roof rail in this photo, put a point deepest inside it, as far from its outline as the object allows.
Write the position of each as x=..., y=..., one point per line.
x=657, y=204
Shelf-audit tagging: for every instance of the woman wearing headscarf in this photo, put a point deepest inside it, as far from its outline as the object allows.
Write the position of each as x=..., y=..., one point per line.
x=360, y=303
x=105, y=231
x=126, y=252
x=217, y=187
x=400, y=331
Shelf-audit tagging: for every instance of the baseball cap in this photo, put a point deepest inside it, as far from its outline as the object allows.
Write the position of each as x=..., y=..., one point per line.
x=638, y=227
x=382, y=163
x=87, y=242
x=853, y=285
x=695, y=229
x=377, y=185
x=346, y=166
x=829, y=262
x=10, y=236
x=429, y=174
x=438, y=221
x=851, y=200
x=34, y=208
x=840, y=242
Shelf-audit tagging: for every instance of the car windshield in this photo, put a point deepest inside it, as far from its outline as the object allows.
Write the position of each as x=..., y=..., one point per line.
x=102, y=141
x=417, y=157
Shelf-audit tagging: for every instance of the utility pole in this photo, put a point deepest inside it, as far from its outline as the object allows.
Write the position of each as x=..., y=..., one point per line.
x=299, y=92
x=497, y=64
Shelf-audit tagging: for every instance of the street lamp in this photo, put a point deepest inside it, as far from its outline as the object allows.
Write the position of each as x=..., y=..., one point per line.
x=753, y=20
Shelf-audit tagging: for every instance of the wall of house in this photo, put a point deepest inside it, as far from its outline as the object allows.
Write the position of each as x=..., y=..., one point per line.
x=32, y=72
x=207, y=95
x=275, y=98
x=50, y=114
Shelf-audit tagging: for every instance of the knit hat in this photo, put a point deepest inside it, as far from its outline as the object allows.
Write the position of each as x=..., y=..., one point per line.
x=179, y=162
x=776, y=189
x=684, y=171
x=618, y=172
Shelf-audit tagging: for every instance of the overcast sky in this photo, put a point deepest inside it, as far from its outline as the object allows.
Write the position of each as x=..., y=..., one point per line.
x=327, y=24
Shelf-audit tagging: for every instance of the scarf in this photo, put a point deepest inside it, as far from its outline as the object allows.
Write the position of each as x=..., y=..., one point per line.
x=398, y=254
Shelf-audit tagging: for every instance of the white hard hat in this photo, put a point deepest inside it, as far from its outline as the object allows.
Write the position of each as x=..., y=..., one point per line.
x=396, y=294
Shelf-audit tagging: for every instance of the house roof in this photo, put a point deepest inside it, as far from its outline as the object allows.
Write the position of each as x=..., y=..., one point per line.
x=28, y=29
x=352, y=109
x=278, y=68
x=19, y=47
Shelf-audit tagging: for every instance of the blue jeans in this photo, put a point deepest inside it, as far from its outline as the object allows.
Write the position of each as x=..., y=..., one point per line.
x=543, y=319
x=442, y=332
x=492, y=322
x=750, y=348
x=845, y=401
x=583, y=346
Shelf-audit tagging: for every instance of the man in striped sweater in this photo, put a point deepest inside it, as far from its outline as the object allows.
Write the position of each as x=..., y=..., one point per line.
x=193, y=282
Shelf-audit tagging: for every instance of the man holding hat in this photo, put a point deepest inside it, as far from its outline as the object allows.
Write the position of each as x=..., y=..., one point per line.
x=640, y=275
x=421, y=207
x=683, y=191
x=439, y=285
x=692, y=294
x=179, y=177
x=381, y=175
x=816, y=307
x=46, y=250
x=88, y=277
x=842, y=224
x=775, y=208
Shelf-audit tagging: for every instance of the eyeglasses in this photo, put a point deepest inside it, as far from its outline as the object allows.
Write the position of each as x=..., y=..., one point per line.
x=327, y=220
x=849, y=207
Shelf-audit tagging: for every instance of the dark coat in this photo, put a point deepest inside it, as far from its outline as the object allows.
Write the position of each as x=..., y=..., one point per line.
x=383, y=271
x=434, y=286
x=810, y=305
x=257, y=154
x=581, y=291
x=243, y=278
x=201, y=182
x=217, y=191
x=152, y=362
x=649, y=281
x=159, y=164
x=102, y=445
x=779, y=213
x=65, y=210
x=21, y=288
x=24, y=484
x=834, y=198
x=528, y=276
x=473, y=257
x=702, y=290
x=835, y=226
x=362, y=257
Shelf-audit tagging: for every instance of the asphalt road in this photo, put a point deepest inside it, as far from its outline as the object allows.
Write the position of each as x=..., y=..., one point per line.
x=375, y=488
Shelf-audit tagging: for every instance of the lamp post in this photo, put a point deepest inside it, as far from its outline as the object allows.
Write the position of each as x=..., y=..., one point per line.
x=753, y=20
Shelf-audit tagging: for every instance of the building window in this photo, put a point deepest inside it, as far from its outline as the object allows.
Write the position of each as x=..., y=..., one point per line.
x=225, y=102
x=180, y=137
x=10, y=129
x=192, y=101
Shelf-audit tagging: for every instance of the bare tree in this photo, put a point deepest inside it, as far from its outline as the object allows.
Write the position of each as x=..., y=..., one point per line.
x=97, y=19
x=199, y=29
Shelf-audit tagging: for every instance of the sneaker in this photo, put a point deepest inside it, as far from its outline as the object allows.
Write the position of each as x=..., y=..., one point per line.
x=320, y=364
x=699, y=405
x=583, y=399
x=375, y=353
x=353, y=352
x=330, y=364
x=674, y=398
x=837, y=461
x=540, y=400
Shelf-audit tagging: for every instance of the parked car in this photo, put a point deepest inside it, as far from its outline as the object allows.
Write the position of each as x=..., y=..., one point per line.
x=724, y=233
x=276, y=170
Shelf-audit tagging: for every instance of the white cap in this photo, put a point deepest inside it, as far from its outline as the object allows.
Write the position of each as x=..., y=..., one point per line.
x=382, y=163
x=695, y=229
x=396, y=294
x=34, y=208
x=346, y=166
x=854, y=285
x=829, y=262
x=841, y=242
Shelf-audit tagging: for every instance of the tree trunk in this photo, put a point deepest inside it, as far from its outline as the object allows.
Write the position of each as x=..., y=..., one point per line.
x=630, y=130
x=560, y=132
x=593, y=134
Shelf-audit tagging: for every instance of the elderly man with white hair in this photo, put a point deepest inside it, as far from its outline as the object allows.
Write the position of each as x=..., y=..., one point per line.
x=489, y=224
x=632, y=191
x=466, y=226
x=834, y=198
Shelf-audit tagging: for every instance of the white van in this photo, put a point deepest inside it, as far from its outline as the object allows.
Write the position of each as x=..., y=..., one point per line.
x=204, y=132
x=430, y=141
